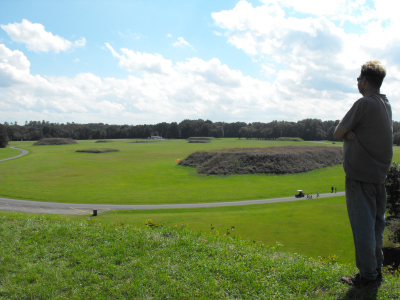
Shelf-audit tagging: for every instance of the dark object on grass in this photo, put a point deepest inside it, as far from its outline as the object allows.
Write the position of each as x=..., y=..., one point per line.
x=200, y=139
x=103, y=141
x=55, y=141
x=269, y=160
x=291, y=139
x=102, y=150
x=94, y=213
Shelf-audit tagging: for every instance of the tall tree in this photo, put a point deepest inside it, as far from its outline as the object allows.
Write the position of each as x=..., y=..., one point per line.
x=3, y=136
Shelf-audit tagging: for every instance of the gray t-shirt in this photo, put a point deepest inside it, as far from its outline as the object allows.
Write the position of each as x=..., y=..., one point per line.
x=368, y=157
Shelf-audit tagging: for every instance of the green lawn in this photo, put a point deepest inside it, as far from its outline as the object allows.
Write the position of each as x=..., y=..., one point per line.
x=8, y=152
x=147, y=173
x=316, y=228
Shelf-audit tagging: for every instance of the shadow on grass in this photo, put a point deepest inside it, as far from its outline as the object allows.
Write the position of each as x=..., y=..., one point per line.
x=391, y=258
x=361, y=294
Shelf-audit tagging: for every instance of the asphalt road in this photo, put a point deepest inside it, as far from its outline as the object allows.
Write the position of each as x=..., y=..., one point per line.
x=84, y=209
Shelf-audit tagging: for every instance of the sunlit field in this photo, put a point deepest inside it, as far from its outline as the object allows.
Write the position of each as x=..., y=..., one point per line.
x=147, y=173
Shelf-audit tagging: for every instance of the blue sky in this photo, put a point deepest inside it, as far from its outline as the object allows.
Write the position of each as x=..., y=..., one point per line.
x=144, y=62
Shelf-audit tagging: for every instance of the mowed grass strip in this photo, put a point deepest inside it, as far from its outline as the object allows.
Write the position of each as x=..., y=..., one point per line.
x=147, y=173
x=48, y=258
x=316, y=227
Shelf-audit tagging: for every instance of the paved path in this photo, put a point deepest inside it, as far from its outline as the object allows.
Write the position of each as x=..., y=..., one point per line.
x=84, y=209
x=23, y=152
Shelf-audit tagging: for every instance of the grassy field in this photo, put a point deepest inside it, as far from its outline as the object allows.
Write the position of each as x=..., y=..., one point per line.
x=49, y=258
x=8, y=152
x=147, y=173
x=317, y=228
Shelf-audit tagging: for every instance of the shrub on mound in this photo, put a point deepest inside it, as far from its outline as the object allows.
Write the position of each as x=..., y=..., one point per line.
x=55, y=141
x=270, y=160
x=102, y=150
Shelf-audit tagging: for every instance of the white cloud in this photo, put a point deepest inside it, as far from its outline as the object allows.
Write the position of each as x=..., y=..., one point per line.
x=181, y=42
x=141, y=62
x=38, y=39
x=14, y=66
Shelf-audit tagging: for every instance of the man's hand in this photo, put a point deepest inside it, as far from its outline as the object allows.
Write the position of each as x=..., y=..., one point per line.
x=350, y=135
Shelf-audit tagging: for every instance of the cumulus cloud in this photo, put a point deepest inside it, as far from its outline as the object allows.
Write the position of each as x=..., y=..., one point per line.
x=141, y=62
x=38, y=39
x=315, y=48
x=181, y=42
x=14, y=66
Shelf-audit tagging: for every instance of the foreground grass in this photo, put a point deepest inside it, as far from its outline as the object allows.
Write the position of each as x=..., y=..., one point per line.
x=49, y=258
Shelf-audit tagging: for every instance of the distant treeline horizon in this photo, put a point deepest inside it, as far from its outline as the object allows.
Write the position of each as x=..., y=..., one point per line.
x=307, y=129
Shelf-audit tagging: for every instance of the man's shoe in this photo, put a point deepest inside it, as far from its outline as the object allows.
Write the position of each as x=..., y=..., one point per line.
x=358, y=281
x=379, y=277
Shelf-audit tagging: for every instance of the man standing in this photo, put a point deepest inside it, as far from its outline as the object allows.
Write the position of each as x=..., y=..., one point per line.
x=367, y=154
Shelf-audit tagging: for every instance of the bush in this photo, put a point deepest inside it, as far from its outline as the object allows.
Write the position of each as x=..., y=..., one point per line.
x=393, y=202
x=394, y=229
x=3, y=136
x=393, y=190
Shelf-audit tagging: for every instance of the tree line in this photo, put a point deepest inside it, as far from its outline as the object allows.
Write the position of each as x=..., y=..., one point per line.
x=307, y=129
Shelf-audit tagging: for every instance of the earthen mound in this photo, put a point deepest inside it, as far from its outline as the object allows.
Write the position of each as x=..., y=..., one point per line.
x=270, y=160
x=55, y=141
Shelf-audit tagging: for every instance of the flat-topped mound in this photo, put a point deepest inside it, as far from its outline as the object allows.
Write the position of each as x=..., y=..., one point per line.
x=100, y=150
x=103, y=141
x=269, y=160
x=200, y=139
x=55, y=141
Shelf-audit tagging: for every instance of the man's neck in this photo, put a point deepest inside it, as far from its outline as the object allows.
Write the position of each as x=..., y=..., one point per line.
x=371, y=92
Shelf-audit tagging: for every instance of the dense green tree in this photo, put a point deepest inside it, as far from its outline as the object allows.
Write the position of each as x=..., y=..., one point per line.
x=3, y=136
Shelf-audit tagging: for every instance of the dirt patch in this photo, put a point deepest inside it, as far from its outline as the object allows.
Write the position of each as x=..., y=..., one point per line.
x=269, y=160
x=55, y=141
x=102, y=150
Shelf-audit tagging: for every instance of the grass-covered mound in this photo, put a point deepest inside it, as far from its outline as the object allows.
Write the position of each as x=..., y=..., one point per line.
x=49, y=258
x=103, y=141
x=200, y=139
x=55, y=141
x=97, y=150
x=290, y=139
x=270, y=160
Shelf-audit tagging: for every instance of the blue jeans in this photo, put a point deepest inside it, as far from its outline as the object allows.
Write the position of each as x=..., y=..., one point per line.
x=366, y=206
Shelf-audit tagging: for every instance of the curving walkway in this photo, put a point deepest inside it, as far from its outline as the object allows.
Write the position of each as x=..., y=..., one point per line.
x=23, y=152
x=84, y=209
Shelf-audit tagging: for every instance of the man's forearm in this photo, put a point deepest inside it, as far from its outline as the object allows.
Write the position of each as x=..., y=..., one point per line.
x=340, y=132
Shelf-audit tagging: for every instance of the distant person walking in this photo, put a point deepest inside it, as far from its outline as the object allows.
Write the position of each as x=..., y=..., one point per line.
x=331, y=189
x=367, y=154
x=335, y=190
